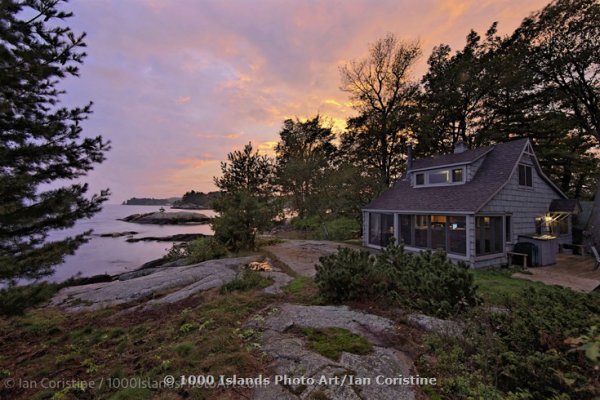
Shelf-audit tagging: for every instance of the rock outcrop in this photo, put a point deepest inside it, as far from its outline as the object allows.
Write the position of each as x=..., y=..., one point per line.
x=168, y=218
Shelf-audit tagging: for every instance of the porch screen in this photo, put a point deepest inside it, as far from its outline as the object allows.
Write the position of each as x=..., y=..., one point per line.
x=489, y=235
x=457, y=235
x=438, y=232
x=421, y=225
x=381, y=228
x=405, y=222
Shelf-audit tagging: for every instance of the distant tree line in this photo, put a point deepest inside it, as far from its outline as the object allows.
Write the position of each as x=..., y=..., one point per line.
x=198, y=199
x=145, y=201
x=541, y=82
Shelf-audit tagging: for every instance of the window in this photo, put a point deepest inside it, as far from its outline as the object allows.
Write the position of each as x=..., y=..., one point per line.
x=438, y=232
x=448, y=233
x=507, y=226
x=405, y=222
x=421, y=228
x=439, y=177
x=525, y=178
x=457, y=235
x=381, y=228
x=420, y=179
x=457, y=175
x=560, y=226
x=489, y=237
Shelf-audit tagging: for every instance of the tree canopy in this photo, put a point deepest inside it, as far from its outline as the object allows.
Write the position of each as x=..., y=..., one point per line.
x=42, y=146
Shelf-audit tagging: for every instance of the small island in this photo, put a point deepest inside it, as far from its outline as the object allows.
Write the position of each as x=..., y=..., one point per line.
x=168, y=218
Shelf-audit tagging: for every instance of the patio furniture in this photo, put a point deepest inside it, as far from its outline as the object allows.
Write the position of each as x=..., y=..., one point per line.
x=511, y=254
x=578, y=249
x=595, y=253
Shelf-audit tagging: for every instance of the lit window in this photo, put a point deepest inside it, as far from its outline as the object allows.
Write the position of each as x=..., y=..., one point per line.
x=457, y=175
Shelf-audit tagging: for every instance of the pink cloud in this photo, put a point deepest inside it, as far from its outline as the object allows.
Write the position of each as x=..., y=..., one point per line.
x=240, y=68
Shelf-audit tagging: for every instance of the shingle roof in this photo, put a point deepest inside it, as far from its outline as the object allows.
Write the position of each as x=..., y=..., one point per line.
x=469, y=197
x=467, y=156
x=565, y=205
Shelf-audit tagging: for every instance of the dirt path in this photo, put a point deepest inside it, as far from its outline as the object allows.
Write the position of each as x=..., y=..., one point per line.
x=302, y=255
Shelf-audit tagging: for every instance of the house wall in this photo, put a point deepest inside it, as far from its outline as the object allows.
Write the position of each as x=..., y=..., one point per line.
x=473, y=167
x=524, y=204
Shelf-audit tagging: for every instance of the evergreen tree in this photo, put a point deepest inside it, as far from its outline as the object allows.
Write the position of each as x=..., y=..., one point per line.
x=304, y=159
x=41, y=142
x=247, y=204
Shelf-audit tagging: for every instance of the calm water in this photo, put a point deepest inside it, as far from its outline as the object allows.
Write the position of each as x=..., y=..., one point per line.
x=114, y=255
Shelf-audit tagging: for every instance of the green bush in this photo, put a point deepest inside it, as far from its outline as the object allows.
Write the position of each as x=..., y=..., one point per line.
x=342, y=228
x=342, y=276
x=523, y=353
x=16, y=299
x=306, y=224
x=206, y=248
x=428, y=282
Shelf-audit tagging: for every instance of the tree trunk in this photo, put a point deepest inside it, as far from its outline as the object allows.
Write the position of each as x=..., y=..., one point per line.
x=593, y=226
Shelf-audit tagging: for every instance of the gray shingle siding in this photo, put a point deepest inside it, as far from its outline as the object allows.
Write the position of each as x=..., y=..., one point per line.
x=491, y=188
x=523, y=203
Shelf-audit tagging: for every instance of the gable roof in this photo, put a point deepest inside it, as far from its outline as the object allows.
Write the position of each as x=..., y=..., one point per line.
x=570, y=206
x=465, y=157
x=498, y=166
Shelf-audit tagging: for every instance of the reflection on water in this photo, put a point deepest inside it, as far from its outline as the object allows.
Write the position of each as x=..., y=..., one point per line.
x=114, y=255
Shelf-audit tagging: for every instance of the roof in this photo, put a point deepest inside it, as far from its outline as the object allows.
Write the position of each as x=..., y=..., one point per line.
x=465, y=157
x=570, y=206
x=470, y=197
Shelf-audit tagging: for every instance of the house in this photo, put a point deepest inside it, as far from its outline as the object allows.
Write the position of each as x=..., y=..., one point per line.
x=476, y=205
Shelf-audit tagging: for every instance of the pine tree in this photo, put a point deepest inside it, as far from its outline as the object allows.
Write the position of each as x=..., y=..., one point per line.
x=246, y=204
x=42, y=150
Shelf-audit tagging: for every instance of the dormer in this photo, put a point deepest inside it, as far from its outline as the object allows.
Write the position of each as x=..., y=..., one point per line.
x=457, y=168
x=454, y=175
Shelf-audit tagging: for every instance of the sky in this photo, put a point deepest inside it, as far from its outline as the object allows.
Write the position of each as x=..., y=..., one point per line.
x=178, y=84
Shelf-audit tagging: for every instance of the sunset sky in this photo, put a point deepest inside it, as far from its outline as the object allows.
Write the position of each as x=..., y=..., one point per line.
x=178, y=84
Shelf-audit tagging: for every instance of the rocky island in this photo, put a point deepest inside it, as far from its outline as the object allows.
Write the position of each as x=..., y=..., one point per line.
x=168, y=218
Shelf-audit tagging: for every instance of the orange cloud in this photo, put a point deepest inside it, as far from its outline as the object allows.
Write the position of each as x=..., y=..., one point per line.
x=184, y=99
x=196, y=163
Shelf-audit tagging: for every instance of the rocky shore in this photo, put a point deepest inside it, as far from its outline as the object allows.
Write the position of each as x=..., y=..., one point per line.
x=168, y=218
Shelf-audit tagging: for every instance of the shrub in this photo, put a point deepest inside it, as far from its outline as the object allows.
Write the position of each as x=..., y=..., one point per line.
x=15, y=300
x=341, y=276
x=206, y=248
x=428, y=282
x=342, y=229
x=306, y=224
x=523, y=353
x=337, y=229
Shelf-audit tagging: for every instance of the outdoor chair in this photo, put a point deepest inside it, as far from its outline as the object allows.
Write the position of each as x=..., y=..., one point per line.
x=597, y=257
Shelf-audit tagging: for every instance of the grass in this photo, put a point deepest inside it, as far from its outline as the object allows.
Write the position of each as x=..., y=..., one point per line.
x=200, y=335
x=331, y=342
x=496, y=285
x=303, y=290
x=247, y=280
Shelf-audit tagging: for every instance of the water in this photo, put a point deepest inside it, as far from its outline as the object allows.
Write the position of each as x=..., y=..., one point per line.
x=107, y=255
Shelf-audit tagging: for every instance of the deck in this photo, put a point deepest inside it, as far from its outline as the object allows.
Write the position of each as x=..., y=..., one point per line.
x=571, y=271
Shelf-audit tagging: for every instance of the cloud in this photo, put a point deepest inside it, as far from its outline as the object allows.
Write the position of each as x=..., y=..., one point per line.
x=175, y=79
